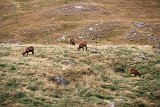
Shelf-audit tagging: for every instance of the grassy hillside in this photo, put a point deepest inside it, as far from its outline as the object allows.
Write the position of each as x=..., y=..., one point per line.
x=105, y=21
x=97, y=78
x=120, y=35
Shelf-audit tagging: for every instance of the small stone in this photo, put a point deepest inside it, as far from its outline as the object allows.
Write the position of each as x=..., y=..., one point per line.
x=59, y=80
x=91, y=28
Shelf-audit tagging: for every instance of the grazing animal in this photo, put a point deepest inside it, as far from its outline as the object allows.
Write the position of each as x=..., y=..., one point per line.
x=82, y=44
x=156, y=46
x=72, y=41
x=27, y=50
x=133, y=71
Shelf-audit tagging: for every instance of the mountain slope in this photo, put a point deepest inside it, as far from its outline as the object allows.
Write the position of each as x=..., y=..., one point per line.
x=97, y=78
x=105, y=21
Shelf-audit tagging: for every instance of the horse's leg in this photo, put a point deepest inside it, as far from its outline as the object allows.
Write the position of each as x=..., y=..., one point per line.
x=86, y=47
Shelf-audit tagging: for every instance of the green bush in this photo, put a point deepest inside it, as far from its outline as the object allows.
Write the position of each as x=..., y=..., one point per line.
x=2, y=65
x=96, y=68
x=119, y=68
x=12, y=84
x=21, y=0
x=103, y=97
x=32, y=87
x=3, y=97
x=19, y=95
x=110, y=87
x=13, y=68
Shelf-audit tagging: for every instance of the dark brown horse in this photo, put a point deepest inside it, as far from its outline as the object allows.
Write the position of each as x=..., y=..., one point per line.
x=72, y=41
x=82, y=44
x=133, y=71
x=27, y=50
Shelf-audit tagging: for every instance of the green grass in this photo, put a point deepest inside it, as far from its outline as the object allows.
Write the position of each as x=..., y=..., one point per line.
x=124, y=52
x=95, y=78
x=3, y=97
x=110, y=87
x=103, y=97
x=21, y=0
x=19, y=95
x=32, y=87
x=119, y=67
x=148, y=89
x=2, y=65
x=95, y=68
x=11, y=84
x=13, y=68
x=4, y=54
x=35, y=102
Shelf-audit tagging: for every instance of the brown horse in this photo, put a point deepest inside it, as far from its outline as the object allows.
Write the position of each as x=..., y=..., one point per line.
x=72, y=41
x=27, y=50
x=133, y=71
x=82, y=44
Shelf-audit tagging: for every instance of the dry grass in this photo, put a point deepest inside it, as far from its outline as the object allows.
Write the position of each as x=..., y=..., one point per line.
x=92, y=76
x=97, y=77
x=31, y=20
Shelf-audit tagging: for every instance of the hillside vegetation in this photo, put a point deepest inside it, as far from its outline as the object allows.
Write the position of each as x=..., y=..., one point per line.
x=97, y=78
x=120, y=34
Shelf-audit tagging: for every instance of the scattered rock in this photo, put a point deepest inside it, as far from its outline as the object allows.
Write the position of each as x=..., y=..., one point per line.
x=112, y=104
x=68, y=62
x=139, y=57
x=81, y=37
x=139, y=24
x=79, y=7
x=91, y=28
x=63, y=38
x=11, y=41
x=134, y=34
x=59, y=80
x=71, y=9
x=152, y=37
x=95, y=30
